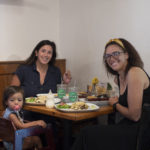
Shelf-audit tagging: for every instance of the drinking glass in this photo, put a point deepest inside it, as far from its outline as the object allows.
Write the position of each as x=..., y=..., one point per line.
x=73, y=93
x=61, y=90
x=101, y=89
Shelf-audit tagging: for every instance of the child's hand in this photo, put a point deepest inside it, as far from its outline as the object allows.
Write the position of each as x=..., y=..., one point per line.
x=41, y=123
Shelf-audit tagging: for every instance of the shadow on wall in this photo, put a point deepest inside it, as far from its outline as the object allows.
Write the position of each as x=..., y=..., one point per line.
x=23, y=3
x=11, y=2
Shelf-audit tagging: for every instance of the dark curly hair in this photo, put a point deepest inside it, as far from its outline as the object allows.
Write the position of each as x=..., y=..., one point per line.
x=134, y=57
x=32, y=58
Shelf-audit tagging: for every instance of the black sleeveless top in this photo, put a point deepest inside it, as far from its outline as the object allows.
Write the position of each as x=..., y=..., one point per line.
x=123, y=101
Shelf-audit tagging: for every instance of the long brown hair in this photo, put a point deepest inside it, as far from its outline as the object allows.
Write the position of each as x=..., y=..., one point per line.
x=32, y=58
x=134, y=57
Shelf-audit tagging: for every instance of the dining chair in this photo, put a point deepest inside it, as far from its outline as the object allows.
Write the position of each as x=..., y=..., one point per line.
x=142, y=140
x=123, y=137
x=9, y=133
x=144, y=130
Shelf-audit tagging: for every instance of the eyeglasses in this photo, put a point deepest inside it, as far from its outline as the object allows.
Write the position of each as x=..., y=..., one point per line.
x=115, y=54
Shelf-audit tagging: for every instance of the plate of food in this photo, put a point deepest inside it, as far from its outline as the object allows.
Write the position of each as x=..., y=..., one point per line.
x=45, y=94
x=40, y=100
x=34, y=101
x=76, y=107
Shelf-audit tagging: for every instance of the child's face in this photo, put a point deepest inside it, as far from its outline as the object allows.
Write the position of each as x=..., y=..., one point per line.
x=15, y=100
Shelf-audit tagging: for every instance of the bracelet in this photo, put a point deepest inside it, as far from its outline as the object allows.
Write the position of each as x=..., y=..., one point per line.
x=114, y=106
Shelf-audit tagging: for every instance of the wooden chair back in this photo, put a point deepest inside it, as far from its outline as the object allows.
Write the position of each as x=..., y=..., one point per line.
x=10, y=134
x=7, y=131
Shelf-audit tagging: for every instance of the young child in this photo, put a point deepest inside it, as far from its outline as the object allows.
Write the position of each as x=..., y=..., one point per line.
x=13, y=100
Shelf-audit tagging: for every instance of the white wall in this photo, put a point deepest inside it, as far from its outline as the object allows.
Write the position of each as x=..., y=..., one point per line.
x=80, y=29
x=86, y=25
x=24, y=23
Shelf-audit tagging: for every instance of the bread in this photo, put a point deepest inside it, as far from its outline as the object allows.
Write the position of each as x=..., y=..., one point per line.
x=79, y=105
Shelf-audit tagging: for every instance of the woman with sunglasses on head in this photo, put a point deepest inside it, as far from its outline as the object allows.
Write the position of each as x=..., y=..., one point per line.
x=123, y=61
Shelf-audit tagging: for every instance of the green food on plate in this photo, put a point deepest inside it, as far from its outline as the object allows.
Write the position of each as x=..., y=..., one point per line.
x=30, y=100
x=64, y=106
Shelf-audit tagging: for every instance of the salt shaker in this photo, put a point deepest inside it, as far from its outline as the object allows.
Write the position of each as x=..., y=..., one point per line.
x=50, y=100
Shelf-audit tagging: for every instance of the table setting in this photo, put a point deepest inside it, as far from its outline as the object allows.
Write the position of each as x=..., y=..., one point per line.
x=70, y=99
x=68, y=103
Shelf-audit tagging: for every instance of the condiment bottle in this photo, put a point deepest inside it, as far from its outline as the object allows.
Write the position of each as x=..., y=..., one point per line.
x=50, y=100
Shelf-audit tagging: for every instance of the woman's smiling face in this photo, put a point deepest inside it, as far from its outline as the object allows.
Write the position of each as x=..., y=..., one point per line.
x=44, y=54
x=116, y=58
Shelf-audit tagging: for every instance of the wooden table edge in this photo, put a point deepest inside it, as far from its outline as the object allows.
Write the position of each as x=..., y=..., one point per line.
x=103, y=110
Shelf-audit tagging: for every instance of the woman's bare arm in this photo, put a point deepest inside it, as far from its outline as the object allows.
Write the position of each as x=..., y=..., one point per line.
x=15, y=81
x=136, y=81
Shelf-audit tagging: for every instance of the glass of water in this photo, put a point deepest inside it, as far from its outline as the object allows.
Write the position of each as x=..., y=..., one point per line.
x=61, y=90
x=73, y=94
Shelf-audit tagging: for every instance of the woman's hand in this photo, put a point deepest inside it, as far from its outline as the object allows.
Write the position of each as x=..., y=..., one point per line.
x=67, y=77
x=112, y=100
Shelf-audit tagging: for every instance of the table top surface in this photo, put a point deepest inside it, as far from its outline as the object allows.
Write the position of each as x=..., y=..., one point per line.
x=74, y=116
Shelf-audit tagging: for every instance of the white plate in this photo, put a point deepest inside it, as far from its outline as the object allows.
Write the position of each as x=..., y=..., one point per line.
x=33, y=103
x=45, y=94
x=100, y=103
x=56, y=100
x=92, y=107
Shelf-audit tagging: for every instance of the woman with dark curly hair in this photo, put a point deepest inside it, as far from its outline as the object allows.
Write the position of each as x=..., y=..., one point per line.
x=123, y=61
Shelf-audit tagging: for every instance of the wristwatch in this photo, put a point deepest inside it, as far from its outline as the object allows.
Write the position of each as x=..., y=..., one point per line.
x=114, y=106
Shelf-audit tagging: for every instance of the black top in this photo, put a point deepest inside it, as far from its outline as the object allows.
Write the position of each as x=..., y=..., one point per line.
x=123, y=98
x=30, y=79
